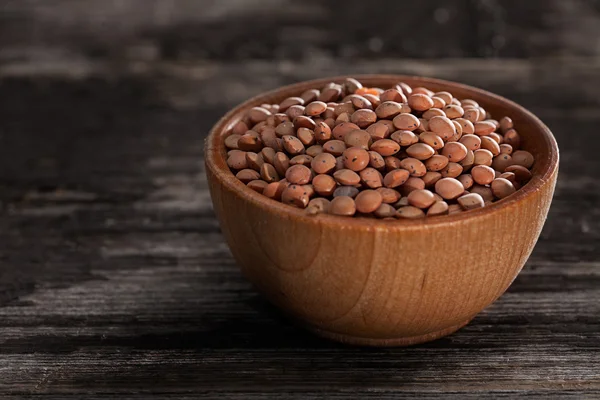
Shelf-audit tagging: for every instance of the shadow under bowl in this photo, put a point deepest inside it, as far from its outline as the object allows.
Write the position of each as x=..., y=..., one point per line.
x=383, y=283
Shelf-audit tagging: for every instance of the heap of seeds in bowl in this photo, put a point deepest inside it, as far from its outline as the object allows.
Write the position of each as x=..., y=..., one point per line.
x=402, y=152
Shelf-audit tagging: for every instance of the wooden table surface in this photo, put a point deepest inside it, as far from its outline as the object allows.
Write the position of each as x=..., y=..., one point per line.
x=115, y=281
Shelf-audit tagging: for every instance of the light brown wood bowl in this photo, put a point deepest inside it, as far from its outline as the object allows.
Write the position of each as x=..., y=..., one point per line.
x=383, y=283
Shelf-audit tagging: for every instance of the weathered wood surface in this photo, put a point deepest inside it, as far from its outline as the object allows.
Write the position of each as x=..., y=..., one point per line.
x=288, y=29
x=114, y=278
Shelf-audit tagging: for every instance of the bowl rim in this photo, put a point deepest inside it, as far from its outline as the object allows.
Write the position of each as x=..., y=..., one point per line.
x=215, y=160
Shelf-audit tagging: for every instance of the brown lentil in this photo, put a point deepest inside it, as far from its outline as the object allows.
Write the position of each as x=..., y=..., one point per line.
x=254, y=161
x=483, y=157
x=257, y=185
x=391, y=163
x=335, y=147
x=371, y=178
x=438, y=208
x=453, y=111
x=431, y=177
x=304, y=122
x=396, y=178
x=236, y=159
x=405, y=138
x=454, y=151
x=343, y=137
x=482, y=174
x=388, y=195
x=502, y=187
x=363, y=117
x=356, y=158
x=324, y=185
x=358, y=138
x=471, y=142
x=412, y=183
x=268, y=173
x=522, y=174
x=414, y=166
x=421, y=198
x=506, y=149
x=314, y=150
x=484, y=128
x=343, y=129
x=247, y=175
x=385, y=211
x=430, y=139
x=349, y=191
x=282, y=163
x=385, y=147
x=420, y=102
x=470, y=201
x=410, y=212
x=406, y=122
x=231, y=141
x=490, y=144
x=318, y=206
x=368, y=201
x=449, y=188
x=346, y=177
x=442, y=126
x=501, y=162
x=295, y=195
x=497, y=138
x=342, y=205
x=512, y=137
x=401, y=202
x=420, y=151
x=523, y=158
x=438, y=102
x=436, y=163
x=268, y=154
x=298, y=175
x=466, y=180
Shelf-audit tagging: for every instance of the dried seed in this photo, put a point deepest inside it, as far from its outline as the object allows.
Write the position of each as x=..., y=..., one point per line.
x=420, y=102
x=324, y=185
x=406, y=122
x=421, y=198
x=268, y=173
x=449, y=188
x=410, y=212
x=346, y=177
x=438, y=208
x=502, y=188
x=371, y=178
x=342, y=205
x=368, y=201
x=482, y=174
x=385, y=147
x=295, y=195
x=471, y=201
x=247, y=175
x=523, y=158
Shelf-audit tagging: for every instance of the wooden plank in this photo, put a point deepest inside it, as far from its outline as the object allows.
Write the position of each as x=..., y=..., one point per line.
x=285, y=29
x=115, y=280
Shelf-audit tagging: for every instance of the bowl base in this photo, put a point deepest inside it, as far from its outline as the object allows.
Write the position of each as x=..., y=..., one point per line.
x=389, y=342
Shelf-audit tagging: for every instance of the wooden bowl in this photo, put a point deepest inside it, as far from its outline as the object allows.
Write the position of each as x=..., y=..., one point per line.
x=383, y=283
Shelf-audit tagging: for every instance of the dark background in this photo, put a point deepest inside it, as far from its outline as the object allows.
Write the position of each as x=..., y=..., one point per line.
x=114, y=278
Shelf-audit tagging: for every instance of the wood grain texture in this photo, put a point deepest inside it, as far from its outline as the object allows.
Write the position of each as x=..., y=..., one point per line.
x=315, y=30
x=115, y=280
x=369, y=282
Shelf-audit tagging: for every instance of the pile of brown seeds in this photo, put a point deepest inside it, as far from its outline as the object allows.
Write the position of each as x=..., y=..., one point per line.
x=397, y=153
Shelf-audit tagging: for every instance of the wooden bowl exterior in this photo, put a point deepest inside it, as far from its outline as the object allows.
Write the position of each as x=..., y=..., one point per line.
x=372, y=282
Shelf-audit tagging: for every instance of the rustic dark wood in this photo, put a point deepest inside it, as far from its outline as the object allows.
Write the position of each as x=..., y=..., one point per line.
x=114, y=278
